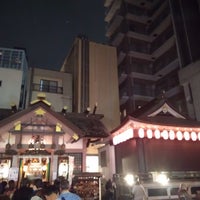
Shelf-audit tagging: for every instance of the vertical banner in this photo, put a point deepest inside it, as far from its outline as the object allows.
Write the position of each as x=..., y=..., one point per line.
x=13, y=173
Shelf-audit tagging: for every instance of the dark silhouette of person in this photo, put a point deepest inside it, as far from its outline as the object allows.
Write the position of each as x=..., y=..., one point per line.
x=109, y=194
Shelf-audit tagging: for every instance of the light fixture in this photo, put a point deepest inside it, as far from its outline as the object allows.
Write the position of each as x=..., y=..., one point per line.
x=129, y=178
x=162, y=179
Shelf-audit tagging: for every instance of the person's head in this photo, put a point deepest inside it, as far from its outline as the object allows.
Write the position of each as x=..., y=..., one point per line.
x=183, y=186
x=11, y=184
x=50, y=192
x=38, y=183
x=137, y=182
x=108, y=185
x=64, y=185
x=25, y=182
x=56, y=183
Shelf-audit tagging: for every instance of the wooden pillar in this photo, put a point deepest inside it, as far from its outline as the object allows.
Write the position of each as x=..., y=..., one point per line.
x=141, y=155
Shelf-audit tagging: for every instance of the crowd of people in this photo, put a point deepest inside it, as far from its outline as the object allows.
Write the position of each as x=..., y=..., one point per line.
x=37, y=190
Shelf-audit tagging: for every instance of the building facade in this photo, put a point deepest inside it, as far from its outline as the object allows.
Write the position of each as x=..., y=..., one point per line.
x=94, y=75
x=13, y=78
x=55, y=85
x=95, y=85
x=154, y=40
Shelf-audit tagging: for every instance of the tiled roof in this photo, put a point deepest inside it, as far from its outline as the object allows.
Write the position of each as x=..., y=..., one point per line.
x=89, y=124
x=82, y=124
x=154, y=113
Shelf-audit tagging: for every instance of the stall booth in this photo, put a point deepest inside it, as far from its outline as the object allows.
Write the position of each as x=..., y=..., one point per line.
x=158, y=142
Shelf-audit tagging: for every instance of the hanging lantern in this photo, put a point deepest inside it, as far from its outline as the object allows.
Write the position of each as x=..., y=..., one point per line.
x=171, y=135
x=193, y=136
x=186, y=135
x=179, y=135
x=157, y=134
x=149, y=133
x=141, y=133
x=165, y=134
x=198, y=135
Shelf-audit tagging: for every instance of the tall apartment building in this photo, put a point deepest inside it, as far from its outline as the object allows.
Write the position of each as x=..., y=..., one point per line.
x=155, y=39
x=13, y=78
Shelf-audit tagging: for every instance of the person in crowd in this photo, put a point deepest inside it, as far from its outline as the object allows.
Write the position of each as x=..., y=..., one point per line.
x=37, y=190
x=50, y=192
x=65, y=192
x=138, y=191
x=23, y=193
x=109, y=193
x=183, y=192
x=56, y=184
x=3, y=185
x=11, y=189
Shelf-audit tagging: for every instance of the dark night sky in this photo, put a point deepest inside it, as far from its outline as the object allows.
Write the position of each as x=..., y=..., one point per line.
x=47, y=28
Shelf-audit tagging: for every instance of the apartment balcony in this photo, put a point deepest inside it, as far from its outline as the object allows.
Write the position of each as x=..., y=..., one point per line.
x=142, y=76
x=140, y=36
x=107, y=3
x=169, y=58
x=148, y=92
x=120, y=57
x=47, y=88
x=123, y=100
x=156, y=29
x=166, y=68
x=162, y=38
x=122, y=78
x=148, y=3
x=111, y=12
x=158, y=9
x=117, y=38
x=170, y=91
x=135, y=18
x=164, y=47
x=114, y=25
x=139, y=55
x=174, y=91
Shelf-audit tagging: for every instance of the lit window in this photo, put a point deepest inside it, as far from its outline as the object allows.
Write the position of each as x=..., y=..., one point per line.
x=48, y=86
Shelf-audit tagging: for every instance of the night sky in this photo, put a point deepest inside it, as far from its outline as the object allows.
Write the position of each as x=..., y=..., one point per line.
x=47, y=28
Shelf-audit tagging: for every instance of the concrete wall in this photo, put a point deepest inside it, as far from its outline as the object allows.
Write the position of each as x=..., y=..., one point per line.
x=11, y=80
x=103, y=83
x=190, y=79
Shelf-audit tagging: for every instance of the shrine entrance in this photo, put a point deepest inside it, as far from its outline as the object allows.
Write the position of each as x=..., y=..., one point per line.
x=34, y=167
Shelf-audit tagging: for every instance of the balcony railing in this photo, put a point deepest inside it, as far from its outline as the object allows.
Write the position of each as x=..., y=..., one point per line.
x=47, y=88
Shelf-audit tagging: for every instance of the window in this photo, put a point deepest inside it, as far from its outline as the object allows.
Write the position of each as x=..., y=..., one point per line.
x=174, y=191
x=157, y=192
x=92, y=163
x=103, y=162
x=78, y=159
x=48, y=86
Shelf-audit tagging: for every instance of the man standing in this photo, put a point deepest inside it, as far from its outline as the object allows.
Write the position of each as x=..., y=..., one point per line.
x=138, y=192
x=65, y=193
